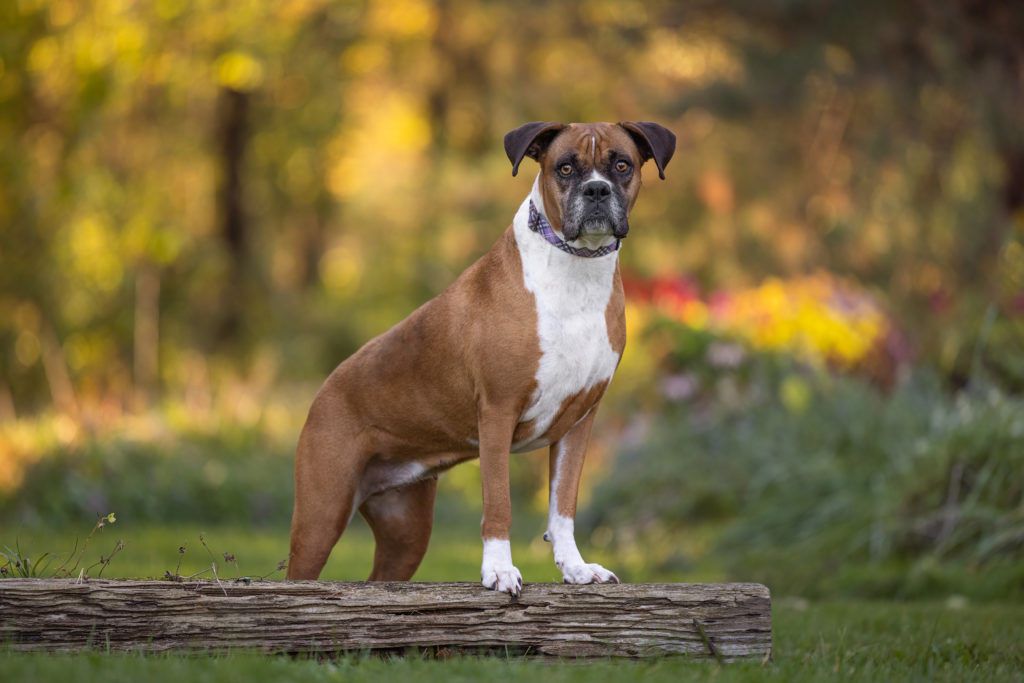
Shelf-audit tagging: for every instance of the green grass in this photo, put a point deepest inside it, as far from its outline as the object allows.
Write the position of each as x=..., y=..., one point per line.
x=950, y=640
x=151, y=550
x=850, y=641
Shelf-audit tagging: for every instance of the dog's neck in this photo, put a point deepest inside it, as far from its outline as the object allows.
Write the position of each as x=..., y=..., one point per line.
x=571, y=295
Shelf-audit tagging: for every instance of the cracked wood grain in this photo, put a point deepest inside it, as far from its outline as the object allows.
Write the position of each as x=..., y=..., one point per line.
x=721, y=620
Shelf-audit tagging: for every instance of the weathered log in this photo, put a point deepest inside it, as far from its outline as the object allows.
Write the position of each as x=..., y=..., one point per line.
x=721, y=620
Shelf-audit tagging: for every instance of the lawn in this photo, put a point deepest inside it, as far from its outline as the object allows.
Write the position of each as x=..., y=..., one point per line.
x=950, y=639
x=151, y=550
x=858, y=641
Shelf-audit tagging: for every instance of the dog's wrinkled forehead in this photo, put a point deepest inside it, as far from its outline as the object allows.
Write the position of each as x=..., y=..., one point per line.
x=590, y=144
x=644, y=140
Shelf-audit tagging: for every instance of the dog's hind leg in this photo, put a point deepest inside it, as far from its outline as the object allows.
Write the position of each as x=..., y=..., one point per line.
x=327, y=475
x=401, y=520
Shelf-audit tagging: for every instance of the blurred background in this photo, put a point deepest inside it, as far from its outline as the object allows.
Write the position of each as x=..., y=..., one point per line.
x=205, y=206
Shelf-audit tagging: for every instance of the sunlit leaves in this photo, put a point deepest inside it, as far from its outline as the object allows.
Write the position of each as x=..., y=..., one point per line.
x=695, y=58
x=401, y=18
x=373, y=172
x=239, y=71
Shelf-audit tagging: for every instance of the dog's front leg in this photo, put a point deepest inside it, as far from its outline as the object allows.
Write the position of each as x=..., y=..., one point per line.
x=566, y=465
x=497, y=572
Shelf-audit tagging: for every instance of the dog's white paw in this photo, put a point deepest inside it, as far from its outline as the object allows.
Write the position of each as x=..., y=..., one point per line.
x=587, y=573
x=497, y=571
x=504, y=580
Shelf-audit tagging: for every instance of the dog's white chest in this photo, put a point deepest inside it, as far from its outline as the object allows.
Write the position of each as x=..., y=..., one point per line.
x=572, y=295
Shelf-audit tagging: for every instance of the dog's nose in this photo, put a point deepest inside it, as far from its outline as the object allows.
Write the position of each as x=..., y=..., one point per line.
x=596, y=191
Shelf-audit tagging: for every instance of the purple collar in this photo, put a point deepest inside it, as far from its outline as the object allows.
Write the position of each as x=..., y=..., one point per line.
x=540, y=224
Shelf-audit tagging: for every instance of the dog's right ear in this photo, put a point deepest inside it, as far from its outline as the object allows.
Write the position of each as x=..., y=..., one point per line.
x=530, y=140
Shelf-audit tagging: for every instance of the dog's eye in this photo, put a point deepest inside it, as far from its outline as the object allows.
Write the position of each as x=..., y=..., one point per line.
x=565, y=169
x=621, y=166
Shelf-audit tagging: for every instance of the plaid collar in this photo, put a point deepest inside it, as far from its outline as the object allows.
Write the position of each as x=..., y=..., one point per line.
x=539, y=224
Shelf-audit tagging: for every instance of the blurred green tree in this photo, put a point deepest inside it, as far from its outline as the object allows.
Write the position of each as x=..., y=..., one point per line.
x=187, y=187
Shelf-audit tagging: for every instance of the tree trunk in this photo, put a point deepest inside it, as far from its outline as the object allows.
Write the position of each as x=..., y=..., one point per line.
x=233, y=133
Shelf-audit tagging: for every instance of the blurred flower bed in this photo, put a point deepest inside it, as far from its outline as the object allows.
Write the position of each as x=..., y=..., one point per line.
x=821, y=319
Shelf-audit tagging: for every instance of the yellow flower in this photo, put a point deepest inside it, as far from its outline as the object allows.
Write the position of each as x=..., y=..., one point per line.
x=818, y=318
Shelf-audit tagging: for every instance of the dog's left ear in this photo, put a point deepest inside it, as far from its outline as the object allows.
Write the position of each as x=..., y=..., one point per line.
x=654, y=141
x=530, y=140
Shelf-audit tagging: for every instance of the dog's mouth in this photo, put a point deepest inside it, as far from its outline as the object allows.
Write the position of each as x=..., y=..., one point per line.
x=595, y=223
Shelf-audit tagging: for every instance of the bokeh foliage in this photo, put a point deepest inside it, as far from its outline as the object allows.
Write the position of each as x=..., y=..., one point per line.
x=818, y=486
x=184, y=185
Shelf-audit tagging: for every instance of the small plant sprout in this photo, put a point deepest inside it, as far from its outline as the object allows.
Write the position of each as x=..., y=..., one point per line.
x=22, y=565
x=229, y=558
x=281, y=566
x=101, y=522
x=105, y=561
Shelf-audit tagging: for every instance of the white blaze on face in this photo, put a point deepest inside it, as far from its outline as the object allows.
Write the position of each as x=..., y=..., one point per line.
x=594, y=175
x=572, y=294
x=577, y=207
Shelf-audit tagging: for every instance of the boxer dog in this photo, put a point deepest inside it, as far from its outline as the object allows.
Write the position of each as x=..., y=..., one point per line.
x=514, y=356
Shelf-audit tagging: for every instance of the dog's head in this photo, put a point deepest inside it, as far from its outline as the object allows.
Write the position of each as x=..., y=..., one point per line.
x=590, y=172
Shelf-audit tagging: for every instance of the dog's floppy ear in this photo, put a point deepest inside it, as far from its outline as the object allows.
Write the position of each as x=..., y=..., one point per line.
x=530, y=140
x=654, y=141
